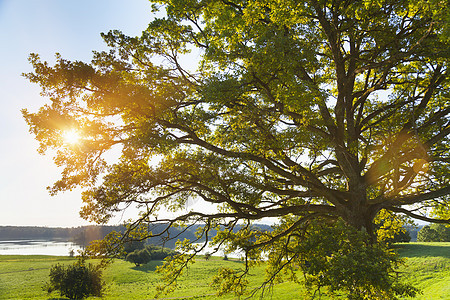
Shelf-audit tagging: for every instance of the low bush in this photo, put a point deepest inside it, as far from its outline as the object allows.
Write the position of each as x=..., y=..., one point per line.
x=150, y=252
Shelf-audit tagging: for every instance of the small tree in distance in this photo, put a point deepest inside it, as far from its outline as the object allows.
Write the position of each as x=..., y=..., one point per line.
x=138, y=257
x=434, y=233
x=149, y=253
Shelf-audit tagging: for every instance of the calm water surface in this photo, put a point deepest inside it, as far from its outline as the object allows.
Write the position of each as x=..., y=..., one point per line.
x=37, y=247
x=62, y=248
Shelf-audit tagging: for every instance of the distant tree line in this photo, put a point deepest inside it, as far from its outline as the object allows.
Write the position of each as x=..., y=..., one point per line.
x=412, y=231
x=83, y=235
x=34, y=232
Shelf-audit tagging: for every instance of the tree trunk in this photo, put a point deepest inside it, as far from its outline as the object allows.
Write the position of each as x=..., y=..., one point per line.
x=359, y=214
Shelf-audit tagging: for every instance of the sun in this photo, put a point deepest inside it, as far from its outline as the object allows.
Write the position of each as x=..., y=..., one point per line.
x=71, y=137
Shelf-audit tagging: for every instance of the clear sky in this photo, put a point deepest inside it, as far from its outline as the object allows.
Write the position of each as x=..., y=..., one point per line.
x=72, y=28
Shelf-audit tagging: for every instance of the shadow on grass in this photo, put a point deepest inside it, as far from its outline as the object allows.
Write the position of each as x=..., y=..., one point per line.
x=424, y=249
x=150, y=267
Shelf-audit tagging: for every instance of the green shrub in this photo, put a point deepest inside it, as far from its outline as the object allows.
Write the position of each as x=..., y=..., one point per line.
x=138, y=257
x=150, y=252
x=76, y=281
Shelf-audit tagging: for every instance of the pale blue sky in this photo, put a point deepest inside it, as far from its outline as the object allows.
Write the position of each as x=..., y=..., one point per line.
x=72, y=28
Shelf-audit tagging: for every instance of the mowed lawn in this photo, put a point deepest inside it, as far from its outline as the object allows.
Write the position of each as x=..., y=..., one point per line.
x=428, y=268
x=22, y=277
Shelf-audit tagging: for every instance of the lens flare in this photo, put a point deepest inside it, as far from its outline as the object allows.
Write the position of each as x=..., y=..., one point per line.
x=71, y=137
x=421, y=166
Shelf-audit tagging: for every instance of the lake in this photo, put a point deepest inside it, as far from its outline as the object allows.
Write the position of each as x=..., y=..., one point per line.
x=62, y=248
x=37, y=247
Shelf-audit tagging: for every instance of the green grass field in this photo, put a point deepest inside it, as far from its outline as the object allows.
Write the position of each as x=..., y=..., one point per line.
x=428, y=268
x=22, y=277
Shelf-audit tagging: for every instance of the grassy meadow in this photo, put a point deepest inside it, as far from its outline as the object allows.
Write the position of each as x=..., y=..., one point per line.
x=428, y=268
x=22, y=277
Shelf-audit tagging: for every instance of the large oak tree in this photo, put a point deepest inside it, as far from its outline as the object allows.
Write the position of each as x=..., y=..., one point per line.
x=328, y=115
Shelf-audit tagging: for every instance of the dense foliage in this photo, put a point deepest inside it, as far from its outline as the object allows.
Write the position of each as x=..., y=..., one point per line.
x=340, y=257
x=434, y=233
x=76, y=281
x=401, y=237
x=326, y=115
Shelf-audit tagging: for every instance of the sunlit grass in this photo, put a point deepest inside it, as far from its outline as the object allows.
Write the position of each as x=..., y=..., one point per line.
x=428, y=268
x=141, y=282
x=22, y=277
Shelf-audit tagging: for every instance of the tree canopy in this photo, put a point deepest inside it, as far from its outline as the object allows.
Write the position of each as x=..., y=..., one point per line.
x=318, y=113
x=434, y=233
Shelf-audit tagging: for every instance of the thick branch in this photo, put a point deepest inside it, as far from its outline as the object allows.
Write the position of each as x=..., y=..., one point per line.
x=411, y=199
x=416, y=216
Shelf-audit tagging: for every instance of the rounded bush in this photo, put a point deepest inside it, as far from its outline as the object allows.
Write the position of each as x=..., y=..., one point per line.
x=76, y=281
